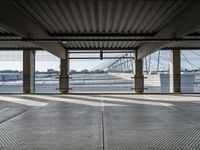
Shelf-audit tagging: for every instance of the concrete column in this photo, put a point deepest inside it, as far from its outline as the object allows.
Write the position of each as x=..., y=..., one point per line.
x=139, y=77
x=64, y=74
x=175, y=71
x=28, y=71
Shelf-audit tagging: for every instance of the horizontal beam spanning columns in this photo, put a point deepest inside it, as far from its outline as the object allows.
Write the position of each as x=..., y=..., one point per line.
x=134, y=48
x=99, y=57
x=19, y=48
x=96, y=52
x=65, y=35
x=7, y=34
x=93, y=50
x=74, y=40
x=98, y=49
x=181, y=48
x=101, y=0
x=194, y=34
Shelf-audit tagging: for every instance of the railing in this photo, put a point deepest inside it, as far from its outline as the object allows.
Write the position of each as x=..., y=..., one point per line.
x=190, y=83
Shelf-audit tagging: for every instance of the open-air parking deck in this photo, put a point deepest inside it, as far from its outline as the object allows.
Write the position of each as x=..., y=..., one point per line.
x=74, y=52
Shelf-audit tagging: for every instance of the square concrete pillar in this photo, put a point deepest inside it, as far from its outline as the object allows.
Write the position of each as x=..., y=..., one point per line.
x=64, y=74
x=28, y=71
x=139, y=77
x=175, y=71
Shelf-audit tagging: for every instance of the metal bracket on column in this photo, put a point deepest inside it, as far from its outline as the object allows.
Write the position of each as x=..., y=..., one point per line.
x=63, y=77
x=63, y=89
x=142, y=88
x=139, y=77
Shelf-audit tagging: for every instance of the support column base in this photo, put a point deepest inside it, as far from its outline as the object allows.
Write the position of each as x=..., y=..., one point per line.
x=139, y=84
x=63, y=88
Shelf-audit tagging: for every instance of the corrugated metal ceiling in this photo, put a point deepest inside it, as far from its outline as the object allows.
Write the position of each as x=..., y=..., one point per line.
x=100, y=16
x=101, y=44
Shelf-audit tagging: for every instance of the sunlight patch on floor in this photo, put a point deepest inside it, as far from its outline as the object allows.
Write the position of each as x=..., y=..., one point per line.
x=27, y=102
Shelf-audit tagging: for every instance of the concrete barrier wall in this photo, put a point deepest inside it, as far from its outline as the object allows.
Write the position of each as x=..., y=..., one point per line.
x=153, y=83
x=187, y=82
x=10, y=76
x=156, y=83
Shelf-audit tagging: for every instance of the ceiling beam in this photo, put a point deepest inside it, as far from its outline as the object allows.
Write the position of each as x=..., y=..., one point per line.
x=187, y=21
x=13, y=20
x=18, y=48
x=101, y=0
x=83, y=35
x=98, y=49
x=7, y=34
x=181, y=48
x=148, y=40
x=196, y=34
x=95, y=50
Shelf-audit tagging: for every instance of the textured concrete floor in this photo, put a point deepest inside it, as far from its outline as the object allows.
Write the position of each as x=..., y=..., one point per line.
x=92, y=122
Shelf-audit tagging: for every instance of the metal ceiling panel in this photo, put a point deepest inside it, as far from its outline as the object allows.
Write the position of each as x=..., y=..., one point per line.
x=100, y=16
x=101, y=45
x=117, y=17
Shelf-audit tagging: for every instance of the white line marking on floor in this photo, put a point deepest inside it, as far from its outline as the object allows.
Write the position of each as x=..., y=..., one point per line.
x=157, y=100
x=102, y=123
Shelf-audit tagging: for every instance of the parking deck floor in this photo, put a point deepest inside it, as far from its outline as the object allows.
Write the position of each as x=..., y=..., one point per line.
x=96, y=122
